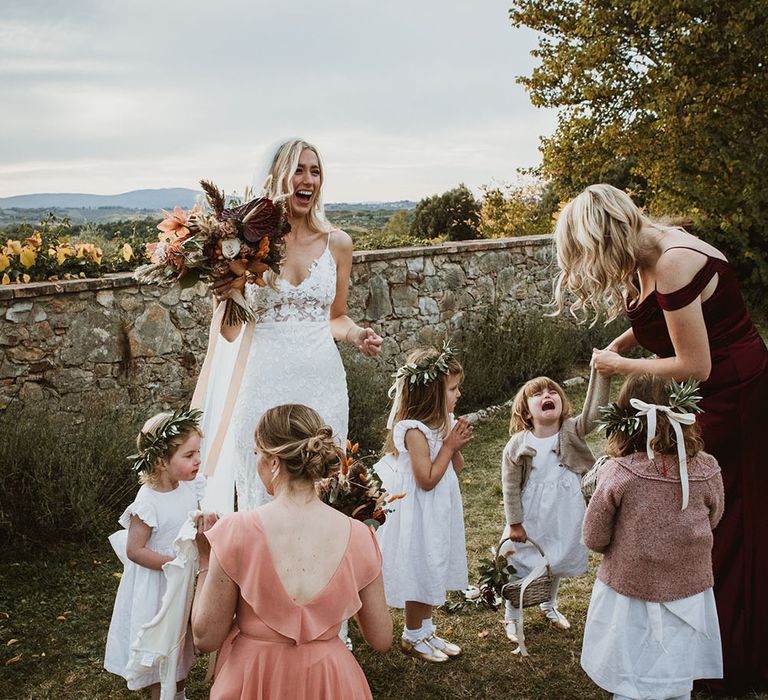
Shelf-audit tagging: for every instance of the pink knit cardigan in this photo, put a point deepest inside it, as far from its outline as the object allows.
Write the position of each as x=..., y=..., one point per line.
x=653, y=550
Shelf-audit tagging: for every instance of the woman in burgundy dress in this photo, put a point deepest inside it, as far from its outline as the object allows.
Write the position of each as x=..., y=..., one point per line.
x=684, y=305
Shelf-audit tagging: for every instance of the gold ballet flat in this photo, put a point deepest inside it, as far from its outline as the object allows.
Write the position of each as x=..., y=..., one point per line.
x=433, y=656
x=449, y=649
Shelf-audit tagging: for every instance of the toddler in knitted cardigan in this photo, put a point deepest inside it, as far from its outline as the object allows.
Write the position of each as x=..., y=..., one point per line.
x=541, y=472
x=652, y=624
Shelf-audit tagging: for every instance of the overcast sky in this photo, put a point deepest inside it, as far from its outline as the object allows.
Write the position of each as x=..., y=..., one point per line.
x=404, y=98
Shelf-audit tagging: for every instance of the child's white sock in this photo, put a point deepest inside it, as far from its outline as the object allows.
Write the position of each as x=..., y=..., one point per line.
x=428, y=628
x=511, y=613
x=414, y=636
x=180, y=695
x=551, y=604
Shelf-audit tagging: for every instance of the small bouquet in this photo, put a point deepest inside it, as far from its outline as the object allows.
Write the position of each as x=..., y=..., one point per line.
x=211, y=242
x=356, y=491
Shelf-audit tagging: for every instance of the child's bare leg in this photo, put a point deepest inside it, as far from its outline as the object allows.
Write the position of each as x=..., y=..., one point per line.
x=415, y=612
x=154, y=691
x=416, y=631
x=550, y=607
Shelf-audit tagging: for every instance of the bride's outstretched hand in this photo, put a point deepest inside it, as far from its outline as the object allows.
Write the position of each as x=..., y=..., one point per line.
x=369, y=343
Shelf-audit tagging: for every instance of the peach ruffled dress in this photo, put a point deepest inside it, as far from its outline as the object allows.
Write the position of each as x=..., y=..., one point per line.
x=276, y=647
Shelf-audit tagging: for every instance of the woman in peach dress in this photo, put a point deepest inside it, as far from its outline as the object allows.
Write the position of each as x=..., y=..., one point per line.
x=289, y=573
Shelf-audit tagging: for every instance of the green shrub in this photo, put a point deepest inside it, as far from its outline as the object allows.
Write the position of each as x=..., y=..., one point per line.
x=454, y=214
x=500, y=352
x=367, y=384
x=61, y=480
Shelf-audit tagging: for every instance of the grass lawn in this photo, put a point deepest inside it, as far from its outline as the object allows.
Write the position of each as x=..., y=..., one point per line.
x=55, y=607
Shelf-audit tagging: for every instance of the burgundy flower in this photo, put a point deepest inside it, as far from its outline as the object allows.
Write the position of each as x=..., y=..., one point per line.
x=261, y=217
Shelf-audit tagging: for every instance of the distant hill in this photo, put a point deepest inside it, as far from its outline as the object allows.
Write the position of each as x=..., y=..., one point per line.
x=151, y=200
x=137, y=199
x=139, y=204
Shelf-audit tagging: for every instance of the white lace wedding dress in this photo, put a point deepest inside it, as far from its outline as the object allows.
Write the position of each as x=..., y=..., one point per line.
x=292, y=359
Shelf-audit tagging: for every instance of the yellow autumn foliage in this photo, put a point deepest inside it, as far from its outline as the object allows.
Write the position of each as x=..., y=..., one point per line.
x=28, y=256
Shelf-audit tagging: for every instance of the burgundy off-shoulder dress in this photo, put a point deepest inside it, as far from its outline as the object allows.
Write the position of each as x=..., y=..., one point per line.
x=735, y=428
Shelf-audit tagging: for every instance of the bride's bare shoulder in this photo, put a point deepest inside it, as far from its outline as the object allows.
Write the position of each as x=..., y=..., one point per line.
x=340, y=240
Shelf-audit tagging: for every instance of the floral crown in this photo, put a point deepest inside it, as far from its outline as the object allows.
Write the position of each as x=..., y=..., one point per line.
x=426, y=370
x=684, y=397
x=158, y=441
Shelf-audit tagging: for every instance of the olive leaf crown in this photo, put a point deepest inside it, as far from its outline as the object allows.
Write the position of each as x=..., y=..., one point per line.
x=155, y=444
x=683, y=397
x=426, y=370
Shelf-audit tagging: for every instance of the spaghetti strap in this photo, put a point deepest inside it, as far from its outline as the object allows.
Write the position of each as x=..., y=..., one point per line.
x=687, y=247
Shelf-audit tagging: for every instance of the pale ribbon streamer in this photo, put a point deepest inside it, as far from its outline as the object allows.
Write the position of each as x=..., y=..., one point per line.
x=161, y=640
x=198, y=398
x=649, y=410
x=395, y=393
x=537, y=571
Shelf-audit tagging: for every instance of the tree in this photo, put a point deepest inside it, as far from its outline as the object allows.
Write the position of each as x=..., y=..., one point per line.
x=522, y=210
x=454, y=214
x=668, y=100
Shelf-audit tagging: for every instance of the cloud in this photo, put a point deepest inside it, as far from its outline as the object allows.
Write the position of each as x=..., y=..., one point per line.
x=405, y=98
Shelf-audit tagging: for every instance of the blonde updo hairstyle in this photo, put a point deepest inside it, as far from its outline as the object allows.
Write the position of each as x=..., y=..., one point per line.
x=298, y=437
x=651, y=389
x=147, y=434
x=425, y=402
x=598, y=240
x=278, y=185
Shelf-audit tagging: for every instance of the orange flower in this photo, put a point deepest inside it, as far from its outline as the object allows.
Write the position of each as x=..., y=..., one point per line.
x=174, y=224
x=396, y=497
x=263, y=248
x=175, y=253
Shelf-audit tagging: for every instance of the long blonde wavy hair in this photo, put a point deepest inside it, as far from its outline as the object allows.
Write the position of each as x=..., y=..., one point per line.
x=598, y=241
x=278, y=182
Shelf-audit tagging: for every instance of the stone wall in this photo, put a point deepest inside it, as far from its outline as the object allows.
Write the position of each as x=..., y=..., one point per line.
x=111, y=342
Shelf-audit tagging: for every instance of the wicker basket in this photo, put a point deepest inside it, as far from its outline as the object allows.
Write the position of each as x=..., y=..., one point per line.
x=538, y=591
x=589, y=480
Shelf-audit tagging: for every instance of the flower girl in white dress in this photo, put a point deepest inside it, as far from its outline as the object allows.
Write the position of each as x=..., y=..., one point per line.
x=168, y=461
x=422, y=542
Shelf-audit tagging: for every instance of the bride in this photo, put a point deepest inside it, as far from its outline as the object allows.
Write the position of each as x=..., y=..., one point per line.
x=288, y=354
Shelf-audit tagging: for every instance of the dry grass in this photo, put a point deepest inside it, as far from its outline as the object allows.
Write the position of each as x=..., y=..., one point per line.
x=61, y=658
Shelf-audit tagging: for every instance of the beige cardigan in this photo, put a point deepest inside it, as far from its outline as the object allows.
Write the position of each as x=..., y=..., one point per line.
x=572, y=449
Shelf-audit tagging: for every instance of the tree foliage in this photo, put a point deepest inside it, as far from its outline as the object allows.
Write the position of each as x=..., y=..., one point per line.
x=517, y=210
x=454, y=214
x=668, y=100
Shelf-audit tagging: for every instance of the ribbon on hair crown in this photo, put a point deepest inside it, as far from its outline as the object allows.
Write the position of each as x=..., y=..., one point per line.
x=684, y=397
x=683, y=405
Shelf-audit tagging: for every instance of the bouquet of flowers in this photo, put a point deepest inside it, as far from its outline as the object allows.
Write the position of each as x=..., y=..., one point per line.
x=356, y=491
x=212, y=241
